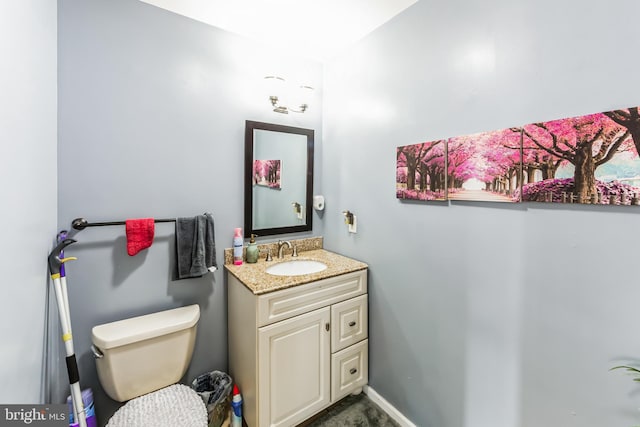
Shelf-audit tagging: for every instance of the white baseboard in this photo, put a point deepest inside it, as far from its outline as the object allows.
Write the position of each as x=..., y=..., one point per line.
x=387, y=407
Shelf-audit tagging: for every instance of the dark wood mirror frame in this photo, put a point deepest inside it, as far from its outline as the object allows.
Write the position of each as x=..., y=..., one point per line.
x=248, y=179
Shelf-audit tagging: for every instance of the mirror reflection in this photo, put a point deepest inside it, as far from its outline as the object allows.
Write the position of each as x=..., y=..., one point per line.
x=278, y=178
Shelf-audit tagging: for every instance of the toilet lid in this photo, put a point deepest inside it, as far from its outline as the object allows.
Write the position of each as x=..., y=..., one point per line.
x=173, y=406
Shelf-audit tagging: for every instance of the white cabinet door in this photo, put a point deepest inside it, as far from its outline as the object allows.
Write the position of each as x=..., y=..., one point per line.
x=294, y=369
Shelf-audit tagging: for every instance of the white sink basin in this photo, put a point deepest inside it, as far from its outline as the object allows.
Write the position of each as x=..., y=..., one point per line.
x=296, y=268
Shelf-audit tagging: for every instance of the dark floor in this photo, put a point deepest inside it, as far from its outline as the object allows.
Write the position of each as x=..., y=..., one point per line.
x=352, y=411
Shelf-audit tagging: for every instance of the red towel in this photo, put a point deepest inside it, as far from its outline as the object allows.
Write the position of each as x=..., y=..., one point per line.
x=139, y=234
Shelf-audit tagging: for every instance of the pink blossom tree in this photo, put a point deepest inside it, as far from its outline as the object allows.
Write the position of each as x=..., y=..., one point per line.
x=503, y=157
x=421, y=167
x=586, y=142
x=272, y=170
x=491, y=157
x=460, y=152
x=630, y=119
x=431, y=168
x=410, y=156
x=267, y=171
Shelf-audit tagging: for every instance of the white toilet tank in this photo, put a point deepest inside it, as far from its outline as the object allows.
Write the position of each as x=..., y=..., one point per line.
x=146, y=353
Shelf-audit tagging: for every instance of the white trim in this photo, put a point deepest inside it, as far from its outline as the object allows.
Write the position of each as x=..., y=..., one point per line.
x=387, y=407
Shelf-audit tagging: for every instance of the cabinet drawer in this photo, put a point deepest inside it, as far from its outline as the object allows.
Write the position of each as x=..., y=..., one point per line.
x=290, y=302
x=349, y=370
x=348, y=322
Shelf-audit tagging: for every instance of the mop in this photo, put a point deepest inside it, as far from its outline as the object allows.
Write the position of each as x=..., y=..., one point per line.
x=56, y=269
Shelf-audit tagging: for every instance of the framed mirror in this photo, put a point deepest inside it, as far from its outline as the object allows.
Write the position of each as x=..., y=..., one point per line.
x=278, y=179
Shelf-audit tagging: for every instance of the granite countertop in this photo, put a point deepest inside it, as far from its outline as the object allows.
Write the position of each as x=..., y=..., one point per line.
x=258, y=281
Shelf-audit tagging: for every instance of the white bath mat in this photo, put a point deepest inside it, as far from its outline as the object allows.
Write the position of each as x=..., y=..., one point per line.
x=173, y=406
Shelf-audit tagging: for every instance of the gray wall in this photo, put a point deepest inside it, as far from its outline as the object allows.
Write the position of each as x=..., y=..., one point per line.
x=151, y=124
x=486, y=314
x=28, y=190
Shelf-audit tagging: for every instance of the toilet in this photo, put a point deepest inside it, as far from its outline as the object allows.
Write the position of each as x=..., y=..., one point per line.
x=140, y=360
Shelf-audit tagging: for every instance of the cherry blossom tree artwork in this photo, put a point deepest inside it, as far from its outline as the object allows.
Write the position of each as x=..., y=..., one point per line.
x=267, y=173
x=420, y=171
x=485, y=166
x=589, y=159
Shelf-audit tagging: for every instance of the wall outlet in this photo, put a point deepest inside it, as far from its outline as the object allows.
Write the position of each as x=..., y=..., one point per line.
x=353, y=228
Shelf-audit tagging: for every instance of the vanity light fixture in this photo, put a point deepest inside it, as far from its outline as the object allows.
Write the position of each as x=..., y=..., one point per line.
x=280, y=94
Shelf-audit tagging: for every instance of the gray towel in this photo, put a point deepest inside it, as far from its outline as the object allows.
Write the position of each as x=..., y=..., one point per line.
x=195, y=246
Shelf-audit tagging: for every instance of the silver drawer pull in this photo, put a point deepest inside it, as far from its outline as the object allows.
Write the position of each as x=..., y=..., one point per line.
x=352, y=323
x=353, y=371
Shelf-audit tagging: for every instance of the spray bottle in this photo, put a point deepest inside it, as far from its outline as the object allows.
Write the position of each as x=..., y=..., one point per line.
x=236, y=406
x=237, y=247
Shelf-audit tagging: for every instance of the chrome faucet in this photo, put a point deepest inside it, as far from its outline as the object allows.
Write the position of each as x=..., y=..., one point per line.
x=281, y=247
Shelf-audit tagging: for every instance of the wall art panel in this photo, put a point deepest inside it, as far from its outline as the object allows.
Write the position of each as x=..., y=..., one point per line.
x=267, y=173
x=590, y=159
x=485, y=166
x=420, y=171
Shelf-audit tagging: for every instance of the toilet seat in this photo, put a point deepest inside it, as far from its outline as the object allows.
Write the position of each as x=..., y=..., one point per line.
x=173, y=406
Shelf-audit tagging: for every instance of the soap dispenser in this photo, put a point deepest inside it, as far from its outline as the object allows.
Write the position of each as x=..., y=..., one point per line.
x=252, y=250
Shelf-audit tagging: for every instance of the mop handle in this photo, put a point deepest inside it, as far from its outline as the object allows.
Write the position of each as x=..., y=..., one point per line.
x=55, y=262
x=59, y=284
x=56, y=268
x=72, y=364
x=62, y=235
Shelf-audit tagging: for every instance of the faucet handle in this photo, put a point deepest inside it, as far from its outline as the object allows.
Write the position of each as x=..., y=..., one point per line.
x=295, y=250
x=268, y=258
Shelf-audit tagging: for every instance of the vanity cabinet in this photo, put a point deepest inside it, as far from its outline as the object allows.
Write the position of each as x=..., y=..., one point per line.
x=295, y=351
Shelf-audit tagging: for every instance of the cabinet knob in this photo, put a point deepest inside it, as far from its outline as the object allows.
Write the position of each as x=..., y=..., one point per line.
x=353, y=371
x=352, y=323
x=327, y=327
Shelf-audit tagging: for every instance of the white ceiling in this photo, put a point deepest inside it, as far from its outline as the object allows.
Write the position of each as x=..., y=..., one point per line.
x=313, y=28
